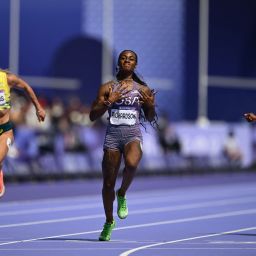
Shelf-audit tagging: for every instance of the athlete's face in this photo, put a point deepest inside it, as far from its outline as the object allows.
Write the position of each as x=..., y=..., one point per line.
x=127, y=61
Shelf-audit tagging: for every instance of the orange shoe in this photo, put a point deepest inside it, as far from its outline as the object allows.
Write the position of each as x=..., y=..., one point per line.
x=2, y=187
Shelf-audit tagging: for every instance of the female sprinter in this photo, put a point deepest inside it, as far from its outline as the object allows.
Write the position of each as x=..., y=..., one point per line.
x=127, y=99
x=7, y=82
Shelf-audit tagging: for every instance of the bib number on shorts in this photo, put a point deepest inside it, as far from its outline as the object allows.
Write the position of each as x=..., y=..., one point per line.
x=123, y=117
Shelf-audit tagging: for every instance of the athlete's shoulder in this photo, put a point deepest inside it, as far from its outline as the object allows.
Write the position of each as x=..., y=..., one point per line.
x=107, y=84
x=104, y=88
x=6, y=71
x=144, y=88
x=9, y=76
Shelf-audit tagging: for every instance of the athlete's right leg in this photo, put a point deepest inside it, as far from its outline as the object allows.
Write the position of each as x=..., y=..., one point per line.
x=5, y=142
x=110, y=166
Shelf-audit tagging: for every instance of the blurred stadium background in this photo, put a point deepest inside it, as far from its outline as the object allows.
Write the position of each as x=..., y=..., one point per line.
x=198, y=54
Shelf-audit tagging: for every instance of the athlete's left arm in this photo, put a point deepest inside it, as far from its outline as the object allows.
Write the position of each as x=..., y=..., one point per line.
x=250, y=117
x=16, y=82
x=148, y=103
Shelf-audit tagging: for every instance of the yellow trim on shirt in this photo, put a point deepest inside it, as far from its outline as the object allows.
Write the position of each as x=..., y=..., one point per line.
x=5, y=94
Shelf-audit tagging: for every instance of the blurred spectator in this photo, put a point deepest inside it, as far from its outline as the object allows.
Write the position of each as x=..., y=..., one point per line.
x=61, y=132
x=231, y=150
x=68, y=136
x=167, y=137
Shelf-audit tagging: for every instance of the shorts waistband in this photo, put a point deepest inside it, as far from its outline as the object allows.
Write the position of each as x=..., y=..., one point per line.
x=5, y=127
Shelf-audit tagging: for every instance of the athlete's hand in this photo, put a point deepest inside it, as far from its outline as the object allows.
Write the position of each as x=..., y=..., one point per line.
x=147, y=98
x=125, y=86
x=121, y=91
x=114, y=96
x=40, y=112
x=250, y=117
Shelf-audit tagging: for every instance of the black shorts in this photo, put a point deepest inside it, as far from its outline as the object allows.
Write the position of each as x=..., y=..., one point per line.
x=5, y=127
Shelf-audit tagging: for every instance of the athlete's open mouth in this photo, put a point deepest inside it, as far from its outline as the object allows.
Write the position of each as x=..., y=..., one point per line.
x=127, y=65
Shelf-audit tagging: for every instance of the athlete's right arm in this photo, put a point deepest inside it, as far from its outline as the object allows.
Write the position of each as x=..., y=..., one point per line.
x=106, y=97
x=99, y=106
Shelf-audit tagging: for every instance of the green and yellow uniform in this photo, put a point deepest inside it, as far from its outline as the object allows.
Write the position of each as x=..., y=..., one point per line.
x=5, y=101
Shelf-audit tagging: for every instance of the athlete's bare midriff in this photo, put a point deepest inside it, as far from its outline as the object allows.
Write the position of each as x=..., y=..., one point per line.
x=4, y=116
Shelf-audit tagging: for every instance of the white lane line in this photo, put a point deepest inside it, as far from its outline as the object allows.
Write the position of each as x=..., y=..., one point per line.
x=122, y=248
x=182, y=220
x=51, y=209
x=133, y=202
x=232, y=242
x=22, y=224
x=126, y=253
x=176, y=194
x=85, y=205
x=195, y=205
x=137, y=212
x=67, y=249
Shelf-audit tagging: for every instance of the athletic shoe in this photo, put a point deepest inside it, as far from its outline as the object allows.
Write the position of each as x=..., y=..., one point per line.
x=122, y=209
x=107, y=230
x=2, y=187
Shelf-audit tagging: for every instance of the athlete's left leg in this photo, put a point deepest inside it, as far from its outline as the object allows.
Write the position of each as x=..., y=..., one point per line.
x=132, y=157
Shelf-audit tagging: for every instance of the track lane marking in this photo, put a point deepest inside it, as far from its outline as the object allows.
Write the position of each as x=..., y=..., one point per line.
x=248, y=187
x=126, y=253
x=182, y=220
x=137, y=212
x=132, y=202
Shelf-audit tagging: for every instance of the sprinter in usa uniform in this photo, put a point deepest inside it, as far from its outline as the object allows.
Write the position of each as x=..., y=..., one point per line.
x=127, y=99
